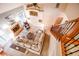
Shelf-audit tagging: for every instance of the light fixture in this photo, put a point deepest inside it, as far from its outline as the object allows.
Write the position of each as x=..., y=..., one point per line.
x=34, y=6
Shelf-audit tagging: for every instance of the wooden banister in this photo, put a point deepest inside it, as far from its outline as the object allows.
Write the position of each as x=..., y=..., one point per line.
x=74, y=31
x=55, y=33
x=66, y=37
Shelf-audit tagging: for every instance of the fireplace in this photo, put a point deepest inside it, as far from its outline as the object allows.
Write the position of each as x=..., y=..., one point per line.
x=16, y=29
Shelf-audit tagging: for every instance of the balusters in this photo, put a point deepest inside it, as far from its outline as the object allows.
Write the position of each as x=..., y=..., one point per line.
x=66, y=27
x=72, y=47
x=71, y=42
x=71, y=25
x=68, y=30
x=72, y=52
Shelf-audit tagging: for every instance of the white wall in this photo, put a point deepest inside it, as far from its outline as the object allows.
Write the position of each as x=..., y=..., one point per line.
x=51, y=13
x=4, y=7
x=72, y=11
x=48, y=16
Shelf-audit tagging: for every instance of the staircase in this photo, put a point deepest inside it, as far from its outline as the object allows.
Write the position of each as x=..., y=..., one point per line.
x=68, y=35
